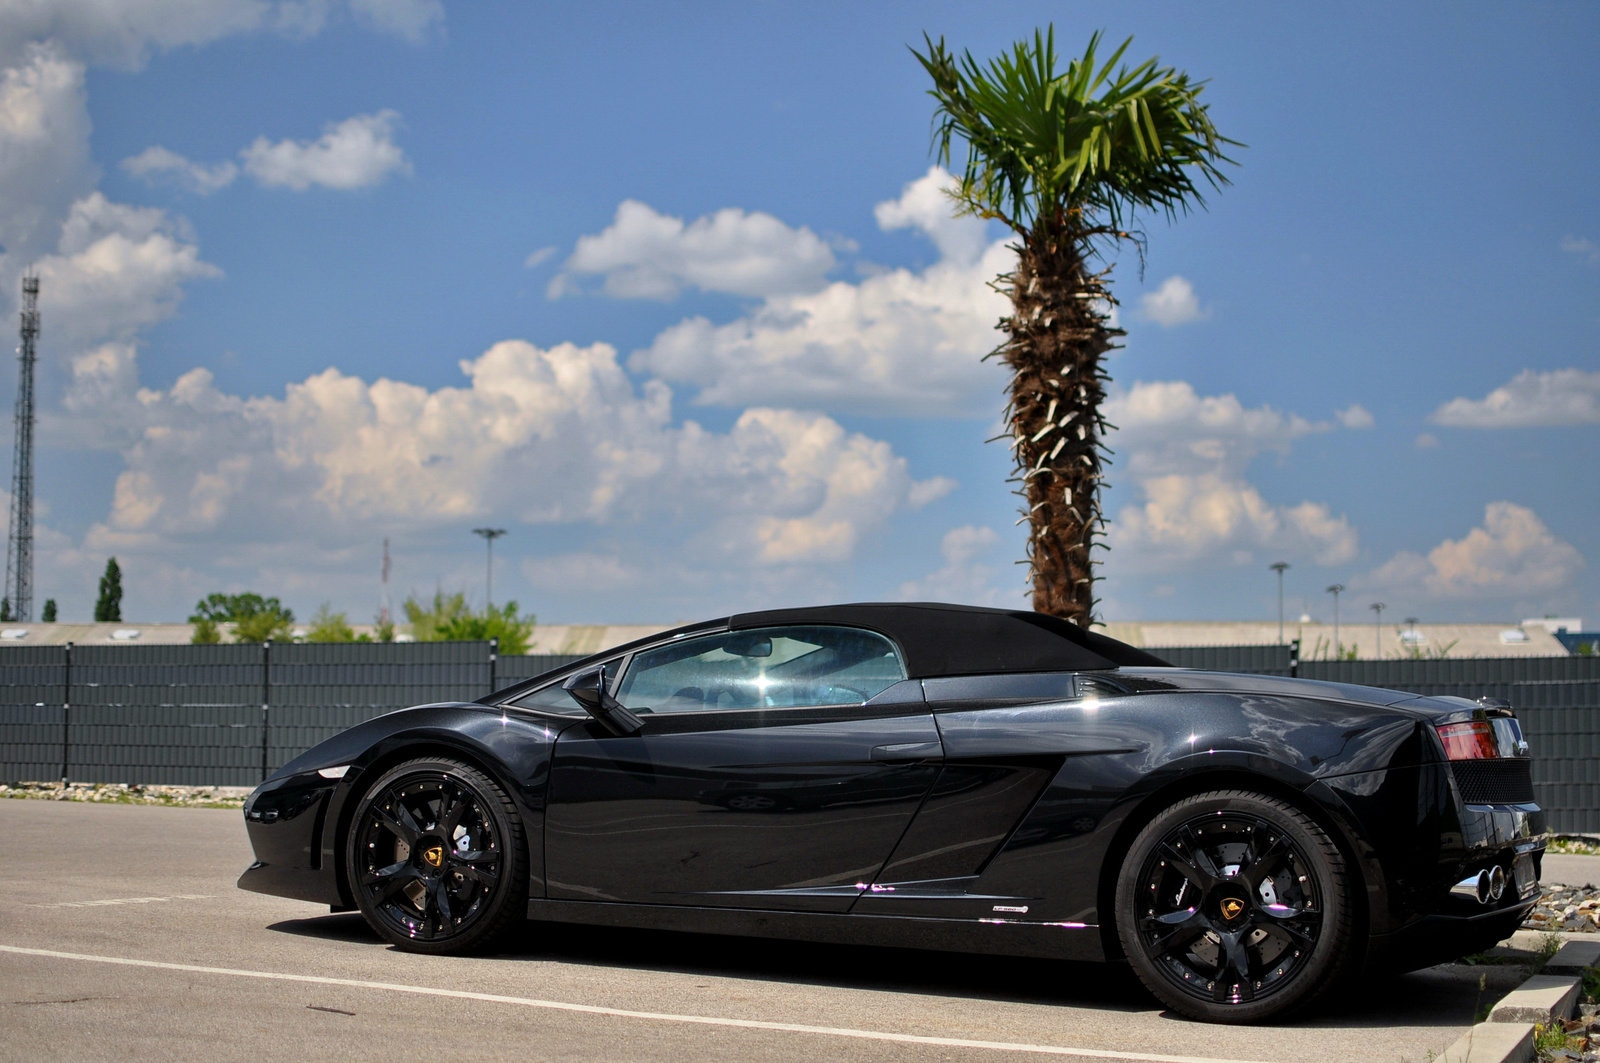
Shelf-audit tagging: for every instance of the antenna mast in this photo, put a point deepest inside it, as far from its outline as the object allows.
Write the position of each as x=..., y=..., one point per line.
x=383, y=611
x=19, y=547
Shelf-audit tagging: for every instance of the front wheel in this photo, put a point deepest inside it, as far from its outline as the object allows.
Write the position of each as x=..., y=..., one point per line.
x=437, y=858
x=1234, y=906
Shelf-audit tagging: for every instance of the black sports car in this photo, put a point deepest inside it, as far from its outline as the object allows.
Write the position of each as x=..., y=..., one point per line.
x=938, y=777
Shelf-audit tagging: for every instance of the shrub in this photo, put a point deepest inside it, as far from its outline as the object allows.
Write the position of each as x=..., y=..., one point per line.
x=329, y=626
x=254, y=618
x=451, y=619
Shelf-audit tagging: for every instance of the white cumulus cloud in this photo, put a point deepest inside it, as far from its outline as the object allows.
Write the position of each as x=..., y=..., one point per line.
x=964, y=577
x=644, y=254
x=1356, y=416
x=1581, y=246
x=902, y=342
x=1511, y=557
x=1166, y=427
x=408, y=19
x=157, y=163
x=124, y=33
x=1173, y=304
x=925, y=205
x=44, y=151
x=1187, y=455
x=116, y=269
x=564, y=424
x=1529, y=400
x=355, y=153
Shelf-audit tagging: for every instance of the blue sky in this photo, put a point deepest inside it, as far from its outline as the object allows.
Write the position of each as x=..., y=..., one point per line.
x=723, y=336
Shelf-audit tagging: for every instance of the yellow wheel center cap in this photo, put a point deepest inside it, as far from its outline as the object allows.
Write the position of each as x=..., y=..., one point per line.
x=434, y=856
x=1231, y=908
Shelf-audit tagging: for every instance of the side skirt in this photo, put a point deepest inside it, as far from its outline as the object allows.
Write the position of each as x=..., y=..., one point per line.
x=997, y=937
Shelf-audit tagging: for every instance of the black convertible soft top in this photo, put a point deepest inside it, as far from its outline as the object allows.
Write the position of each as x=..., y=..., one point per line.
x=942, y=639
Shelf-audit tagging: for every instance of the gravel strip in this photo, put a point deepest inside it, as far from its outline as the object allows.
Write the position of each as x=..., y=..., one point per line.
x=1570, y=908
x=126, y=794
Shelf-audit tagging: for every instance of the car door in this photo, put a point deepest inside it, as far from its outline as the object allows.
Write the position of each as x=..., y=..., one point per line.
x=774, y=768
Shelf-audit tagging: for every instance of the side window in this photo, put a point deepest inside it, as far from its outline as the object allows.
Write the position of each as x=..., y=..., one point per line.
x=551, y=698
x=766, y=668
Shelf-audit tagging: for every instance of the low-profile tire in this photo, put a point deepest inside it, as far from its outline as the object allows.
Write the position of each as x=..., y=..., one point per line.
x=1236, y=907
x=437, y=858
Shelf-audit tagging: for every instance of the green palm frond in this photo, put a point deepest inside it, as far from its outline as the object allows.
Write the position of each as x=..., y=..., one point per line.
x=1096, y=141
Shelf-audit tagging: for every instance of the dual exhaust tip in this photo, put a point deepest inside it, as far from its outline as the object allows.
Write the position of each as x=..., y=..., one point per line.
x=1484, y=887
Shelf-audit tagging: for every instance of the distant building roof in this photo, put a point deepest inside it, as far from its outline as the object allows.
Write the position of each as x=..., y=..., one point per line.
x=1367, y=639
x=1529, y=639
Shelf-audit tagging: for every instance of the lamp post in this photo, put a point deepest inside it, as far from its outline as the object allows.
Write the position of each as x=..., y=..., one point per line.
x=489, y=536
x=1377, y=628
x=1279, y=567
x=1334, y=590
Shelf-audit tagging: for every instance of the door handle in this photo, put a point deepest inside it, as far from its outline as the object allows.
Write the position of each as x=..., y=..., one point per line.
x=908, y=751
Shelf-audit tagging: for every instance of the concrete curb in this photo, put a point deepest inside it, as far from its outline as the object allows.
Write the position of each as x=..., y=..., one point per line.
x=1492, y=1042
x=1574, y=957
x=1541, y=998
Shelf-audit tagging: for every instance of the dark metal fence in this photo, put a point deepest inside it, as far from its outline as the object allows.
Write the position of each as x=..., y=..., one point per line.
x=225, y=715
x=1556, y=698
x=217, y=715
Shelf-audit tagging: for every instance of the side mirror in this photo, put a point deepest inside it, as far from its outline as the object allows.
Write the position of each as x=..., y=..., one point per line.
x=588, y=689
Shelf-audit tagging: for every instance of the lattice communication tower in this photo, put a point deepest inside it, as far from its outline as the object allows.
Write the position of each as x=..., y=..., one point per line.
x=19, y=548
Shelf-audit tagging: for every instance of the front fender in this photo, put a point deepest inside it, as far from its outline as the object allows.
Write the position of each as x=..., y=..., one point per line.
x=512, y=748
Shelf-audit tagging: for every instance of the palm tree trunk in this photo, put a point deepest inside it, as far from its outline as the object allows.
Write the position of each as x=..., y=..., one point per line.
x=1059, y=334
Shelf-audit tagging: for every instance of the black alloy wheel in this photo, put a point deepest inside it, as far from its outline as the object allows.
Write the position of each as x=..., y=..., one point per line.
x=1234, y=907
x=437, y=858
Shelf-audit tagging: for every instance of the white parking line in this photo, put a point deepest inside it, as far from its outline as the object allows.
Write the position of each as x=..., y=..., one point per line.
x=649, y=1016
x=125, y=900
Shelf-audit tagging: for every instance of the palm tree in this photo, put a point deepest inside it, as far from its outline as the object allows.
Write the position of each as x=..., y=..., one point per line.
x=1066, y=160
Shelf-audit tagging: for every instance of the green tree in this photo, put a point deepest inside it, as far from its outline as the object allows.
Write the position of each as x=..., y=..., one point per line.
x=426, y=619
x=49, y=614
x=254, y=618
x=451, y=619
x=5, y=609
x=109, y=605
x=1066, y=160
x=206, y=632
x=329, y=626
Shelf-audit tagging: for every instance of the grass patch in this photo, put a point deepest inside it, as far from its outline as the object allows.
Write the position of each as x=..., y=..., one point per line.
x=1483, y=959
x=1553, y=1037
x=1574, y=846
x=1591, y=985
x=119, y=794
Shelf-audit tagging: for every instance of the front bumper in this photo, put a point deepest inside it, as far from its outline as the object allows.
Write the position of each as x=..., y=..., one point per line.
x=285, y=819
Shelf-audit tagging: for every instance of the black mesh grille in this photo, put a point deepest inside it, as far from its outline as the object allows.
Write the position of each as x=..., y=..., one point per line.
x=1494, y=782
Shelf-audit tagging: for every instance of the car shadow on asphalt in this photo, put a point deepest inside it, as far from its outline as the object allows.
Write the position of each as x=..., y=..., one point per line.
x=1448, y=995
x=346, y=926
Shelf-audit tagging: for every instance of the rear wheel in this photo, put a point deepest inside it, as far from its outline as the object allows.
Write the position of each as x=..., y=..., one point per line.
x=437, y=858
x=1233, y=906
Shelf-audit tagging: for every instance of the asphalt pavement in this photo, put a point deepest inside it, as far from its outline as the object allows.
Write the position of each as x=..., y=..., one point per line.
x=125, y=939
x=1571, y=870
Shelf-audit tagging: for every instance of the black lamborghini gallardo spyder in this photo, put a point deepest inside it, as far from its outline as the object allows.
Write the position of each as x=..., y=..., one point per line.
x=934, y=777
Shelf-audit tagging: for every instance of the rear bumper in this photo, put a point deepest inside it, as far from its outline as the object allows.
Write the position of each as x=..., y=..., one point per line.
x=1509, y=836
x=1441, y=938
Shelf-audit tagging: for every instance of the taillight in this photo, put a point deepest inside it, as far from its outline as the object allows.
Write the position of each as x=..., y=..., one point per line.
x=1474, y=740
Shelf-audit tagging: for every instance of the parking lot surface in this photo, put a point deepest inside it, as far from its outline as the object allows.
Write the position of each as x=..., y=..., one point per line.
x=126, y=939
